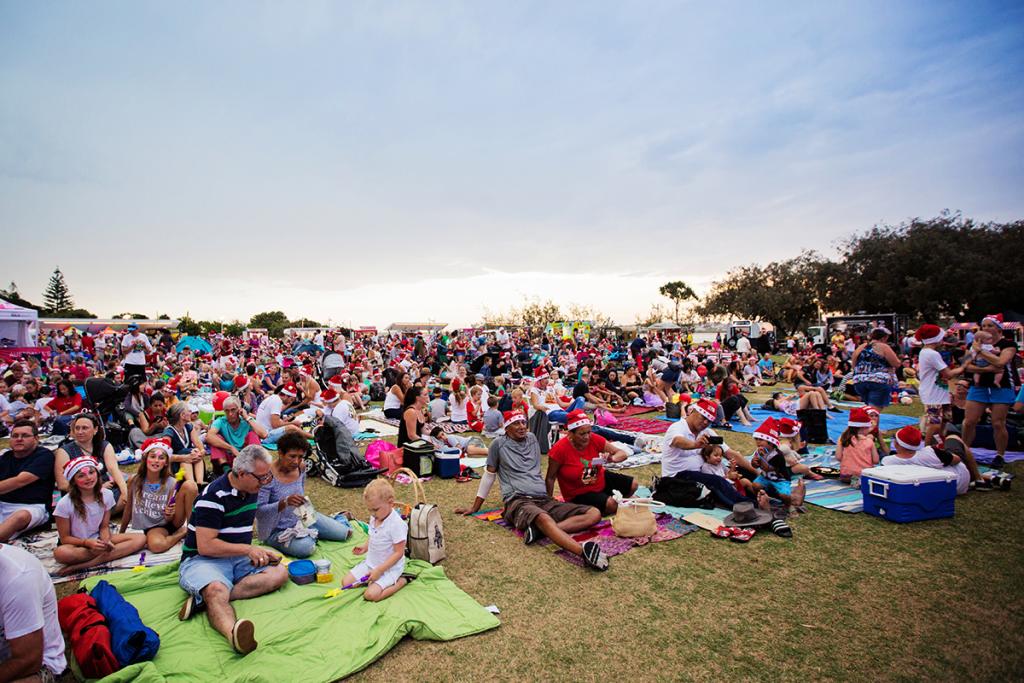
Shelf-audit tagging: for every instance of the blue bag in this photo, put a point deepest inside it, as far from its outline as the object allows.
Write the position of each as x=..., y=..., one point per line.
x=130, y=639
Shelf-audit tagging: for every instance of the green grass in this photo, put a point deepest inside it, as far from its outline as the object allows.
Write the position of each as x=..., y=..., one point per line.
x=850, y=597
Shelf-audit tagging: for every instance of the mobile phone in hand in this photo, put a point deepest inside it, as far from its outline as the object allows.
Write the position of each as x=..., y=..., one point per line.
x=716, y=440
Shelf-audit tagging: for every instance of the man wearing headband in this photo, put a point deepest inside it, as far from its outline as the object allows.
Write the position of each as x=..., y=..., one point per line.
x=515, y=460
x=577, y=463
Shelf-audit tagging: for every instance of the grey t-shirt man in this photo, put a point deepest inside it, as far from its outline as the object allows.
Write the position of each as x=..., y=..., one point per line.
x=518, y=466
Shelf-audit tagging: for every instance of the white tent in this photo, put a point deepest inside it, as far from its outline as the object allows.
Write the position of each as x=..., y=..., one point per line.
x=17, y=325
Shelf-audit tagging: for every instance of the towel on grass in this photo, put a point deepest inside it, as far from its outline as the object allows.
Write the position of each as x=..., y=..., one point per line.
x=642, y=425
x=669, y=529
x=301, y=635
x=41, y=545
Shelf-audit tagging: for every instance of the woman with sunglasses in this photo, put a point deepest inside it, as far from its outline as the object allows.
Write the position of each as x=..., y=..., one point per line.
x=87, y=438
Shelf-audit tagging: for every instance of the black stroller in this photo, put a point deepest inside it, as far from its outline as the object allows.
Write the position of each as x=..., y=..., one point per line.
x=107, y=400
x=337, y=459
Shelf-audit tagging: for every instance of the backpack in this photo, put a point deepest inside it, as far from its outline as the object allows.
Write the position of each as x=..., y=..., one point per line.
x=813, y=425
x=682, y=493
x=426, y=531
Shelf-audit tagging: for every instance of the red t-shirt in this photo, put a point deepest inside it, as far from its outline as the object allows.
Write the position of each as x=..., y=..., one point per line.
x=571, y=463
x=61, y=403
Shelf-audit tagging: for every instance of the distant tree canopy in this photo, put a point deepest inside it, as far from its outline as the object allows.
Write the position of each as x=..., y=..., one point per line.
x=12, y=295
x=678, y=291
x=943, y=267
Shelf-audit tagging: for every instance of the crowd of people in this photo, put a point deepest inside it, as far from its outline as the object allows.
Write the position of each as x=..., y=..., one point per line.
x=209, y=485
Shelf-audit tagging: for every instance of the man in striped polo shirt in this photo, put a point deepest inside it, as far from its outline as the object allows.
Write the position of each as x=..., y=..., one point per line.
x=218, y=561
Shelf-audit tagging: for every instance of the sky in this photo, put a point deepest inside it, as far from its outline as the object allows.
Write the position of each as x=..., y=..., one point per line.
x=368, y=162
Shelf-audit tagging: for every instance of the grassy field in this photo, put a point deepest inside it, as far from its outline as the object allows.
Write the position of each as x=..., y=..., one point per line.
x=850, y=597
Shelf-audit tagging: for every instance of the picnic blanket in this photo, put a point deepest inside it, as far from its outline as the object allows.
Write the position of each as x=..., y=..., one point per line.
x=836, y=421
x=634, y=410
x=446, y=427
x=638, y=460
x=986, y=455
x=382, y=427
x=302, y=635
x=669, y=529
x=41, y=545
x=641, y=425
x=677, y=512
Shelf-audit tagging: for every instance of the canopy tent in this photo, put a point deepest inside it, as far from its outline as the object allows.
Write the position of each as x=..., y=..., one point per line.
x=664, y=326
x=195, y=343
x=17, y=325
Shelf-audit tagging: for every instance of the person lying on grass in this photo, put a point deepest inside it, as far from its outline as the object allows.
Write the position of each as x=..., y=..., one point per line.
x=83, y=521
x=470, y=446
x=515, y=459
x=157, y=504
x=775, y=476
x=576, y=462
x=384, y=549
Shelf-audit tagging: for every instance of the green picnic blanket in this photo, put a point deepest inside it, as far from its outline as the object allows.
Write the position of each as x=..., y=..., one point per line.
x=302, y=635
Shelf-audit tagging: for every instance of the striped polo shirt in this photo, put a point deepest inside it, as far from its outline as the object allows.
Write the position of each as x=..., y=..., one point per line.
x=221, y=507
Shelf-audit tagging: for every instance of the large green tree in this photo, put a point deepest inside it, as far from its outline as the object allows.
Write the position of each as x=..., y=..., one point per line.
x=678, y=291
x=274, y=322
x=57, y=298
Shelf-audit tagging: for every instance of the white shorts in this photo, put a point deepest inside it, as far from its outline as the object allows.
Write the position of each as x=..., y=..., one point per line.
x=389, y=578
x=36, y=510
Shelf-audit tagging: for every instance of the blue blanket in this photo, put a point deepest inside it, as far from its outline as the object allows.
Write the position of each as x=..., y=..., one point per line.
x=836, y=421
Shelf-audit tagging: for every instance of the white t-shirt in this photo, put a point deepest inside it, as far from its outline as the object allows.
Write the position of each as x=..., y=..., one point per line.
x=28, y=603
x=742, y=345
x=675, y=460
x=545, y=397
x=926, y=457
x=458, y=409
x=139, y=346
x=384, y=537
x=271, y=405
x=933, y=390
x=344, y=412
x=90, y=526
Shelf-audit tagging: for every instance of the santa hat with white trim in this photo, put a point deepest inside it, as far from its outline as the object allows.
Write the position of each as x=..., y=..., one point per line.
x=788, y=428
x=328, y=396
x=707, y=409
x=513, y=416
x=76, y=465
x=289, y=390
x=576, y=419
x=929, y=334
x=768, y=431
x=162, y=443
x=909, y=438
x=859, y=417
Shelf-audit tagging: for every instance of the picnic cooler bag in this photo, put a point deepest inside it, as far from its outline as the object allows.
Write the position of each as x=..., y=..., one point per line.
x=634, y=518
x=418, y=456
x=426, y=531
x=908, y=493
x=448, y=463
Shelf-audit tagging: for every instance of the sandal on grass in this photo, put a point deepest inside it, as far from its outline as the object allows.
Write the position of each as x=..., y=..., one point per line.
x=780, y=528
x=742, y=535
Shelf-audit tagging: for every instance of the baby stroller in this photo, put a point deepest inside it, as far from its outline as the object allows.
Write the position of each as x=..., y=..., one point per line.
x=332, y=363
x=107, y=400
x=337, y=459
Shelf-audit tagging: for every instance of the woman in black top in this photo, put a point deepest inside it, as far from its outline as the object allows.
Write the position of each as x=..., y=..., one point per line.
x=410, y=427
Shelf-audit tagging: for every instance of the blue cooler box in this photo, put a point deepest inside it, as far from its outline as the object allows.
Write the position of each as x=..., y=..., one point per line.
x=908, y=493
x=448, y=463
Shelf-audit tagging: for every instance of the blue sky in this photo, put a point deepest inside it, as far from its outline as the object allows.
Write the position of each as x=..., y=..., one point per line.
x=367, y=162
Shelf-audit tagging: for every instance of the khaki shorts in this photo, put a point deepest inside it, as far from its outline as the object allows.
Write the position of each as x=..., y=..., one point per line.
x=520, y=511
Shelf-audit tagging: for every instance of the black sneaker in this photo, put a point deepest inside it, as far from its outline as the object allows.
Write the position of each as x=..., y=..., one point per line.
x=998, y=462
x=531, y=535
x=594, y=557
x=982, y=485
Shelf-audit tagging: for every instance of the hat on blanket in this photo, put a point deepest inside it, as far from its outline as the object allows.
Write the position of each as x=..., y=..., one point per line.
x=329, y=395
x=929, y=334
x=745, y=514
x=290, y=390
x=576, y=419
x=513, y=416
x=910, y=438
x=157, y=442
x=788, y=428
x=707, y=408
x=859, y=417
x=76, y=465
x=768, y=431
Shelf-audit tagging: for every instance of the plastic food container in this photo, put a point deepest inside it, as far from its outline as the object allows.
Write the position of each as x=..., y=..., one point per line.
x=302, y=572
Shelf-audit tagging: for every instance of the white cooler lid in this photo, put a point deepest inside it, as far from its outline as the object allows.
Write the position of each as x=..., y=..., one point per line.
x=908, y=474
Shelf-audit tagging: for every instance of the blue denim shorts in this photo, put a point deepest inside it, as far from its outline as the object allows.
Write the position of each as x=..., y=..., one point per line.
x=198, y=572
x=990, y=395
x=874, y=393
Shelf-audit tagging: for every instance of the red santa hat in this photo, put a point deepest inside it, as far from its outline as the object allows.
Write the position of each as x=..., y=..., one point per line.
x=996, y=318
x=910, y=438
x=859, y=417
x=289, y=390
x=328, y=395
x=929, y=334
x=76, y=465
x=576, y=419
x=241, y=381
x=788, y=428
x=540, y=372
x=513, y=416
x=336, y=381
x=707, y=408
x=768, y=431
x=162, y=443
